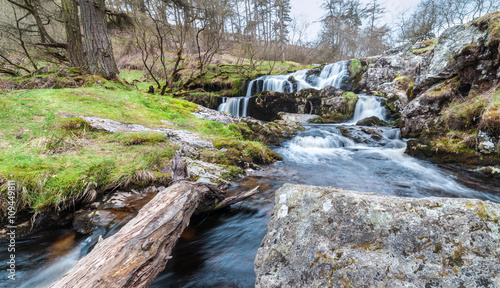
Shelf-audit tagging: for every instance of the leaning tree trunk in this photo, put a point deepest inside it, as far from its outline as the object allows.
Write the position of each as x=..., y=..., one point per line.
x=98, y=49
x=135, y=255
x=73, y=33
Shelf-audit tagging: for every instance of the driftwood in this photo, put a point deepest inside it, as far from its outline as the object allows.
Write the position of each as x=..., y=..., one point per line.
x=135, y=255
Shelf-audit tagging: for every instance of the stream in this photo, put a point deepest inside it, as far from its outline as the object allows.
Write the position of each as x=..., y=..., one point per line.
x=219, y=250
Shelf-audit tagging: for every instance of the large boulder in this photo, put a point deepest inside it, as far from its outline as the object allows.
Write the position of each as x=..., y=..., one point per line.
x=329, y=237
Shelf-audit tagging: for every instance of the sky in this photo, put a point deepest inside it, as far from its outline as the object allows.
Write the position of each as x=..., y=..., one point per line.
x=311, y=9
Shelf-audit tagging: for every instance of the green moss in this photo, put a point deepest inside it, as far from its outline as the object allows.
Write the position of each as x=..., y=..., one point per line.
x=239, y=152
x=438, y=248
x=491, y=24
x=409, y=91
x=73, y=123
x=429, y=45
x=463, y=115
x=143, y=138
x=355, y=68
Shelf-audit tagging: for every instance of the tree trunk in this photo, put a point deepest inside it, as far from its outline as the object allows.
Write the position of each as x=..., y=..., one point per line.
x=98, y=49
x=135, y=255
x=73, y=33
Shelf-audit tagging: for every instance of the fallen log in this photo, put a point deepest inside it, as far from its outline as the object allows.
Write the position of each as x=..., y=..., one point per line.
x=135, y=255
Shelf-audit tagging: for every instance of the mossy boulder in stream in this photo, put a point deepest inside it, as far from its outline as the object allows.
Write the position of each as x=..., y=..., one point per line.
x=329, y=237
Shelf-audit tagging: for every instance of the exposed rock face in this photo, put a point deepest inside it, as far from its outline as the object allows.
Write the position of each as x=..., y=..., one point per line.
x=328, y=237
x=330, y=103
x=439, y=64
x=454, y=107
x=384, y=71
x=426, y=107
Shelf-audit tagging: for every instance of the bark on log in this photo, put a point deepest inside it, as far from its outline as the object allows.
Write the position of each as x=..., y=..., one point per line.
x=135, y=255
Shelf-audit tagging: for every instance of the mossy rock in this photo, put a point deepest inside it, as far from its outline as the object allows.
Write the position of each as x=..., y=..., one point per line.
x=464, y=115
x=491, y=24
x=426, y=45
x=238, y=153
x=372, y=121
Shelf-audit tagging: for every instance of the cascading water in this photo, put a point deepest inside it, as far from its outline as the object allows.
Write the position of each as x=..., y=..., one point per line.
x=237, y=106
x=332, y=74
x=368, y=106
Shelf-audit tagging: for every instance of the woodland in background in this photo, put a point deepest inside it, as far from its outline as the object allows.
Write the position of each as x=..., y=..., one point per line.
x=162, y=37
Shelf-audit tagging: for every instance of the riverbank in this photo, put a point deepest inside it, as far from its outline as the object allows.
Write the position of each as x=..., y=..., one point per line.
x=68, y=147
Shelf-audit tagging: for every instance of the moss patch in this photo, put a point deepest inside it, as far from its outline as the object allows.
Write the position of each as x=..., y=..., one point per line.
x=490, y=23
x=426, y=45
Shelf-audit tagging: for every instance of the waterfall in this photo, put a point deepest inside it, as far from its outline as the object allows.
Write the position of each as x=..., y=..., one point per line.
x=368, y=106
x=332, y=74
x=237, y=106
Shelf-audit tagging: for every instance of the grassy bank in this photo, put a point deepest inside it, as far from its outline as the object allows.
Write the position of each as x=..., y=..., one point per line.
x=59, y=160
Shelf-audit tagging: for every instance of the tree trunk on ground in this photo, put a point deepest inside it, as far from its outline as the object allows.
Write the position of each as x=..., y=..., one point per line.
x=73, y=33
x=135, y=255
x=99, y=52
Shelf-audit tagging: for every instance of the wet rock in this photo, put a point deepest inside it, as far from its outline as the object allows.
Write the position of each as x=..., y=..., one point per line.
x=331, y=104
x=494, y=171
x=371, y=121
x=371, y=137
x=330, y=91
x=487, y=144
x=329, y=237
x=85, y=222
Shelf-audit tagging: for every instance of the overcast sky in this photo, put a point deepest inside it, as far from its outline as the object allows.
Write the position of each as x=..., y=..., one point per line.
x=311, y=9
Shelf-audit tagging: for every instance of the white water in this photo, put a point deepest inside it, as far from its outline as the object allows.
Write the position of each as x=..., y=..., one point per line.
x=38, y=278
x=368, y=106
x=322, y=156
x=332, y=74
x=237, y=106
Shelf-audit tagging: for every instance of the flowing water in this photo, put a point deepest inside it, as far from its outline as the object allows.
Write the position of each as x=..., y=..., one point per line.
x=218, y=250
x=332, y=74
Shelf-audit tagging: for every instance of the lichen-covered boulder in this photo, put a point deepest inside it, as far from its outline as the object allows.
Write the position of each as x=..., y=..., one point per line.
x=329, y=237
